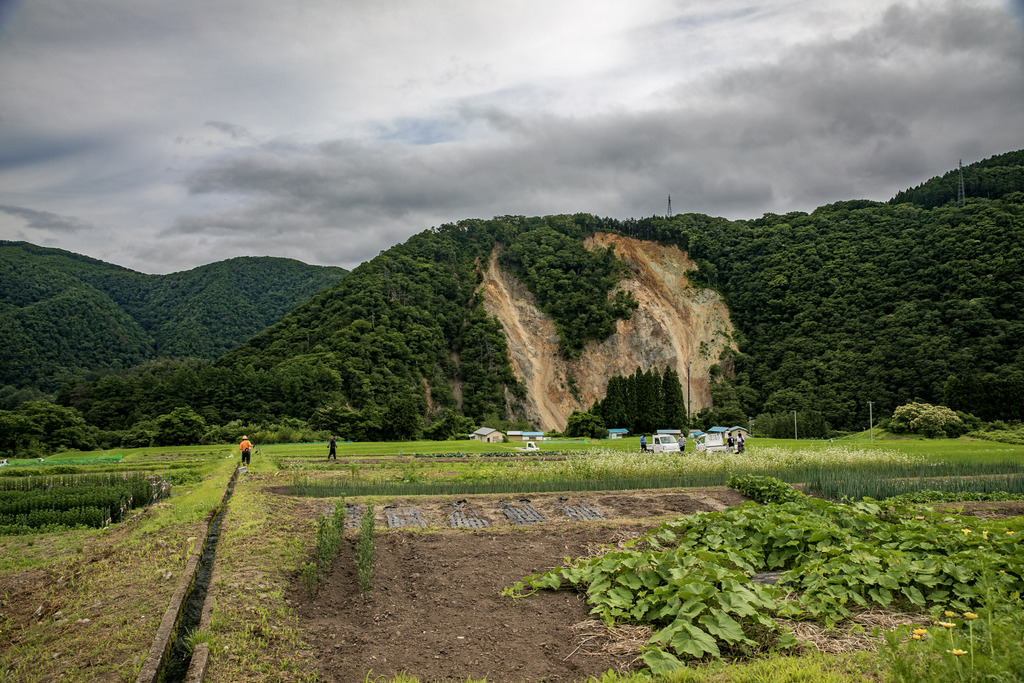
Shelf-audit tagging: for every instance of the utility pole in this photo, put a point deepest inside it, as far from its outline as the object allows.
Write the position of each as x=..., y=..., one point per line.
x=687, y=387
x=961, y=198
x=794, y=425
x=871, y=421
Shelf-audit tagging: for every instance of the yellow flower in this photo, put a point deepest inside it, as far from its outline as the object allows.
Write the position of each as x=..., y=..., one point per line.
x=1009, y=532
x=957, y=652
x=916, y=637
x=920, y=631
x=950, y=614
x=919, y=517
x=970, y=615
x=984, y=535
x=966, y=531
x=946, y=624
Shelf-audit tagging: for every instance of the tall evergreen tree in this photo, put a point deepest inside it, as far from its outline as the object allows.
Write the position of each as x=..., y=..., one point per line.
x=648, y=388
x=673, y=405
x=613, y=409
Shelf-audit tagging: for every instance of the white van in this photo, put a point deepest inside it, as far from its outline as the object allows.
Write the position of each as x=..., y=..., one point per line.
x=664, y=443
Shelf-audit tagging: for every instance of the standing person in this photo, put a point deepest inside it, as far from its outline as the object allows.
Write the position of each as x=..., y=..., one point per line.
x=682, y=444
x=332, y=448
x=643, y=443
x=740, y=443
x=246, y=448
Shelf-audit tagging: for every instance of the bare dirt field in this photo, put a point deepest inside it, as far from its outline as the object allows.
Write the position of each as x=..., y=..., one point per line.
x=436, y=611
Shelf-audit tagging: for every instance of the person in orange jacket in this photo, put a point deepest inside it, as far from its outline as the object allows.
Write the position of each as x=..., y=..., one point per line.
x=246, y=448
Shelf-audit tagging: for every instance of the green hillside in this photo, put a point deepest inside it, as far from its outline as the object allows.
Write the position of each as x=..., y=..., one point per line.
x=856, y=302
x=64, y=314
x=990, y=178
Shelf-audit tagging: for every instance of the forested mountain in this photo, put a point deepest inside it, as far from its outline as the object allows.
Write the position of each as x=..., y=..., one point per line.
x=62, y=314
x=856, y=302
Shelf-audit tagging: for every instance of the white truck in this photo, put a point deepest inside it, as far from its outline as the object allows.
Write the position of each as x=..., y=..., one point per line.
x=664, y=443
x=711, y=442
x=531, y=446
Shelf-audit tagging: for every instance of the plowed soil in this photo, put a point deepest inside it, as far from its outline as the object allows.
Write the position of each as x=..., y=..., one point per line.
x=436, y=611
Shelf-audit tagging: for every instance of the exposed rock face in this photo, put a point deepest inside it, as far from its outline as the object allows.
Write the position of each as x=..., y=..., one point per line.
x=675, y=324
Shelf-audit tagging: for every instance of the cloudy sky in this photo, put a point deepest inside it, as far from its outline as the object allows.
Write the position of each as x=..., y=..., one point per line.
x=164, y=135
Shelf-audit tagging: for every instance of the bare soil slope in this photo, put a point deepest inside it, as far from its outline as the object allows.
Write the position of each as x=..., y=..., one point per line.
x=674, y=324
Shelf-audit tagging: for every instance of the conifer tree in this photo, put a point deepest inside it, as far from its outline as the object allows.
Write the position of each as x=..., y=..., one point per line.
x=673, y=406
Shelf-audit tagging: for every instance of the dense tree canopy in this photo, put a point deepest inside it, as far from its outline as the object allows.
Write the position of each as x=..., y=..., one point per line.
x=63, y=315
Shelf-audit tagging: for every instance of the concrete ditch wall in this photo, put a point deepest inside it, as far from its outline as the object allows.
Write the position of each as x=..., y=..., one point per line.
x=157, y=656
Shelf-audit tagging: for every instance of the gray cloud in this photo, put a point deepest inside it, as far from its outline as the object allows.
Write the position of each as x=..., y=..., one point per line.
x=46, y=221
x=301, y=138
x=826, y=121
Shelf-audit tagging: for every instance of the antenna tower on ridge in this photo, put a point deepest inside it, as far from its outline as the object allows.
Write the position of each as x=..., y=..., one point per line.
x=961, y=198
x=670, y=206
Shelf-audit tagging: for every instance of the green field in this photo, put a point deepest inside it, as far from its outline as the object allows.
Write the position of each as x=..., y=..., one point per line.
x=130, y=569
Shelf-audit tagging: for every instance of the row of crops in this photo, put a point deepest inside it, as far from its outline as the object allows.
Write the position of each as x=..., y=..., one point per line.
x=878, y=479
x=48, y=503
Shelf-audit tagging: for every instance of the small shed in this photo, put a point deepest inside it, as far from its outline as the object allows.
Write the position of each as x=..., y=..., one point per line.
x=737, y=430
x=617, y=433
x=525, y=436
x=488, y=435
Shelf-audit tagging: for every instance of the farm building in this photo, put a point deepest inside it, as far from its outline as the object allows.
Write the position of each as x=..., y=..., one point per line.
x=736, y=431
x=617, y=433
x=525, y=436
x=488, y=435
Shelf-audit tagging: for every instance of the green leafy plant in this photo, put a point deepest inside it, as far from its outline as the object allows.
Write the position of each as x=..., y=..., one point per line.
x=692, y=578
x=365, y=550
x=763, y=489
x=330, y=531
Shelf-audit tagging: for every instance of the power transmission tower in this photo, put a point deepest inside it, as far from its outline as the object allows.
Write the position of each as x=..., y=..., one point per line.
x=961, y=199
x=669, y=206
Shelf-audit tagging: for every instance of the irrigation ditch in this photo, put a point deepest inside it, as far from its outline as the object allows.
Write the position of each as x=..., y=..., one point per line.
x=168, y=660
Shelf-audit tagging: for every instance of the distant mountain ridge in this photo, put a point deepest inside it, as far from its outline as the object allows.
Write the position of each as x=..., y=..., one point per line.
x=63, y=314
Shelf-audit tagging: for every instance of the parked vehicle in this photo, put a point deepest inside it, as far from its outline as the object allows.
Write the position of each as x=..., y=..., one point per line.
x=664, y=443
x=711, y=441
x=530, y=446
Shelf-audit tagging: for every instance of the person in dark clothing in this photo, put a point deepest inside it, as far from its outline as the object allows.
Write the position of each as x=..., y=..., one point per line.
x=643, y=443
x=332, y=448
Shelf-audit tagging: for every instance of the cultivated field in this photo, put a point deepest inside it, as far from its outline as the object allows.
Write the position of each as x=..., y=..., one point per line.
x=459, y=527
